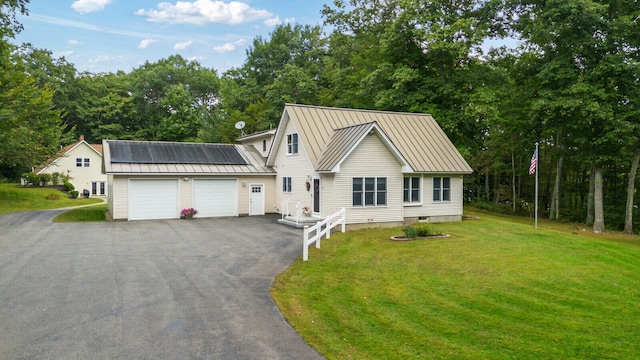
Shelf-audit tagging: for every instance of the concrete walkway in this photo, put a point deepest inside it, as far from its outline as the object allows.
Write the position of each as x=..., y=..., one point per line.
x=170, y=289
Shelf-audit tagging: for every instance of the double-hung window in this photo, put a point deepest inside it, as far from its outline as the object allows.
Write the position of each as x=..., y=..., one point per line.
x=80, y=162
x=286, y=184
x=411, y=190
x=441, y=189
x=369, y=191
x=292, y=144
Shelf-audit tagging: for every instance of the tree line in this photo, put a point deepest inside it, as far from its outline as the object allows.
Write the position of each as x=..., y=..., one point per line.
x=569, y=80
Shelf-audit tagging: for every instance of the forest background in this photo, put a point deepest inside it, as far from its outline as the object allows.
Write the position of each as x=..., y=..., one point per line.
x=571, y=84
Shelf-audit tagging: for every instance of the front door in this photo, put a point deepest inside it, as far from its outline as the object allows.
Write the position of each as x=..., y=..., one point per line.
x=256, y=200
x=316, y=195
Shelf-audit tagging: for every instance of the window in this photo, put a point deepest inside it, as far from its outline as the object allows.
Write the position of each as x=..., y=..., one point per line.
x=441, y=189
x=369, y=191
x=264, y=145
x=292, y=144
x=411, y=190
x=97, y=188
x=80, y=162
x=286, y=184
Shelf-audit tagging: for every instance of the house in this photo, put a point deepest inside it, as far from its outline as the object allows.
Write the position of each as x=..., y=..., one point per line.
x=83, y=163
x=385, y=168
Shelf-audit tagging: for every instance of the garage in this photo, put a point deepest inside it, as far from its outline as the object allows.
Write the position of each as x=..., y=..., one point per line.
x=153, y=199
x=215, y=197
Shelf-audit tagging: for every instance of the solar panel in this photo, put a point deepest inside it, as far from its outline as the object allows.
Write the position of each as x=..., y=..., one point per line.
x=140, y=152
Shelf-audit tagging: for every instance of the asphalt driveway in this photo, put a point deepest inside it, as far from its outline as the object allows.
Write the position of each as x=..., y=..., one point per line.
x=169, y=289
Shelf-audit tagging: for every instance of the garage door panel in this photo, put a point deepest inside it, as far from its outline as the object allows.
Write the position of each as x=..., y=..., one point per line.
x=215, y=197
x=153, y=199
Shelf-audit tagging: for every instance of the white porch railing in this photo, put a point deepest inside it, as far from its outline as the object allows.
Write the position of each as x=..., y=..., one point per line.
x=285, y=210
x=321, y=228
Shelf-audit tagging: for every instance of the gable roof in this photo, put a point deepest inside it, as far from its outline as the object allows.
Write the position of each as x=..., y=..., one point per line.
x=257, y=135
x=345, y=140
x=417, y=137
x=157, y=157
x=97, y=148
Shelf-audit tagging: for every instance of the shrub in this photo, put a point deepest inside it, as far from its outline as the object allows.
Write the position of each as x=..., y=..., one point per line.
x=53, y=196
x=43, y=179
x=410, y=231
x=56, y=178
x=74, y=194
x=30, y=178
x=67, y=186
x=418, y=230
x=424, y=230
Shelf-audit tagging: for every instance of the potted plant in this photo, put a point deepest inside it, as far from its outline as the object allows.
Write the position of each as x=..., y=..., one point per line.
x=307, y=210
x=188, y=213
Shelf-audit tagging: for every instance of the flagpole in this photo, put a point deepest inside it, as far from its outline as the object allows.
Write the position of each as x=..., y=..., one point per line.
x=537, y=162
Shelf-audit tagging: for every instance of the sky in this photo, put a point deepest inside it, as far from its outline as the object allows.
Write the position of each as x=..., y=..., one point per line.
x=110, y=35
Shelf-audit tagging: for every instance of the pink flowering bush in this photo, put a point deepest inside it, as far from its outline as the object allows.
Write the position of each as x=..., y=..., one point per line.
x=188, y=213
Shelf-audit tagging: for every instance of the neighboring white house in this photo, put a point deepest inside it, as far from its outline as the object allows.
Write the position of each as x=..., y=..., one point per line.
x=83, y=163
x=385, y=168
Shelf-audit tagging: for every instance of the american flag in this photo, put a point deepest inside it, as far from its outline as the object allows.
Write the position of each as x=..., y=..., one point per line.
x=534, y=163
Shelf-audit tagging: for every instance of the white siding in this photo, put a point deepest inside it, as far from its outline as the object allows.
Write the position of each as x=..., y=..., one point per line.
x=118, y=199
x=81, y=177
x=371, y=158
x=438, y=208
x=298, y=167
x=244, y=192
x=257, y=143
x=443, y=208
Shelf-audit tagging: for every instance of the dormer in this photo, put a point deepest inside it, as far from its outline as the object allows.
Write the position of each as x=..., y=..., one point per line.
x=261, y=141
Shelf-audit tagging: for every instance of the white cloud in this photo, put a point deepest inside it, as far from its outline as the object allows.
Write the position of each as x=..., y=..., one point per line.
x=73, y=42
x=182, y=45
x=105, y=58
x=229, y=47
x=195, y=58
x=276, y=21
x=273, y=22
x=87, y=6
x=61, y=54
x=145, y=43
x=202, y=12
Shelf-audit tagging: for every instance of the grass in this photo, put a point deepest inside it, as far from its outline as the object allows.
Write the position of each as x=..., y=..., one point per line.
x=84, y=214
x=497, y=289
x=14, y=197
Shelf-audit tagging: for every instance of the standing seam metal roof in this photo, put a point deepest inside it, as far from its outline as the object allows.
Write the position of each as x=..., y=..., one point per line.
x=418, y=137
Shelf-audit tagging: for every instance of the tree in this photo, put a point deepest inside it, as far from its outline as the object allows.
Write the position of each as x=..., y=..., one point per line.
x=170, y=88
x=30, y=128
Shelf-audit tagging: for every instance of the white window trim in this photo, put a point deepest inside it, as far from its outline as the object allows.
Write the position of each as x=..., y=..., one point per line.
x=290, y=144
x=287, y=188
x=375, y=192
x=441, y=189
x=420, y=191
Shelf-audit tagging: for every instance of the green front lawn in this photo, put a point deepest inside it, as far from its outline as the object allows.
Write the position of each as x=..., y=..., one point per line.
x=497, y=289
x=14, y=197
x=83, y=214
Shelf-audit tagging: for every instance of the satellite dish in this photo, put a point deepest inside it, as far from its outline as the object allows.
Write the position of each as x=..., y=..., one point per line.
x=240, y=126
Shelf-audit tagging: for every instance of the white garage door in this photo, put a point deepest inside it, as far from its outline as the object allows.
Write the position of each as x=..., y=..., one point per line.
x=217, y=197
x=153, y=199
